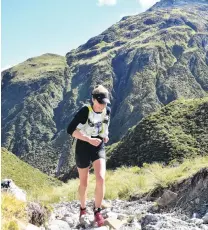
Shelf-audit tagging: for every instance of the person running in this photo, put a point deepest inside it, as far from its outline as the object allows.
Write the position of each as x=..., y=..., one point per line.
x=90, y=128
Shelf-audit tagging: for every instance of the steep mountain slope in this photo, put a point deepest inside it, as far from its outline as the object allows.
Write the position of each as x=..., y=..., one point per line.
x=24, y=175
x=179, y=130
x=146, y=61
x=31, y=92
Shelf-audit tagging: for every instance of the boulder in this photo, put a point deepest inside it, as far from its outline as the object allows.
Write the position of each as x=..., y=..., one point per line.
x=9, y=186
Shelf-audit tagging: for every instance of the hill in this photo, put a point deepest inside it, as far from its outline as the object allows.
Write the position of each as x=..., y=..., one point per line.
x=179, y=130
x=25, y=176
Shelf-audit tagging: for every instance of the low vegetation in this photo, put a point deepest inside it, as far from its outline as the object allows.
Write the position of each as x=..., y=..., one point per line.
x=120, y=183
x=13, y=211
x=30, y=179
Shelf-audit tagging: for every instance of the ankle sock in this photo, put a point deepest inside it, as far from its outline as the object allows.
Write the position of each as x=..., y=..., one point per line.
x=96, y=210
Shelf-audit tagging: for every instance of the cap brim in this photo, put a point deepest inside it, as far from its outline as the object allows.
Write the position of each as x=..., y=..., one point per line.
x=103, y=101
x=106, y=100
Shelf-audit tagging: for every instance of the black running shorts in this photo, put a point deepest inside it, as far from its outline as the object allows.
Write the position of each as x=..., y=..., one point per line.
x=87, y=153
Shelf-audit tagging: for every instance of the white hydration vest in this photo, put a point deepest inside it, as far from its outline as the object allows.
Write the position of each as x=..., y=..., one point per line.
x=96, y=125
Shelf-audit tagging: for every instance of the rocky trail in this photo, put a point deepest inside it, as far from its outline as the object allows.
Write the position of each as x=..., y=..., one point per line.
x=122, y=215
x=181, y=206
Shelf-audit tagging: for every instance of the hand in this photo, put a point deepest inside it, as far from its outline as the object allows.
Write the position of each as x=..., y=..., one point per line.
x=94, y=141
x=106, y=139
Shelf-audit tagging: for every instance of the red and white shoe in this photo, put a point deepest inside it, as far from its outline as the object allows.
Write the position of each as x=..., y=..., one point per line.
x=99, y=220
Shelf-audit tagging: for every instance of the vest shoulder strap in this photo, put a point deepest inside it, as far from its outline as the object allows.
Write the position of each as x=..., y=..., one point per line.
x=90, y=108
x=105, y=112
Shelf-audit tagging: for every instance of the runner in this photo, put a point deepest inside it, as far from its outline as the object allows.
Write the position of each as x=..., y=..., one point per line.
x=90, y=128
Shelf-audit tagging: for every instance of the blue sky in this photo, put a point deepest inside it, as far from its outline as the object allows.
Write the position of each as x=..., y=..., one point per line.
x=34, y=27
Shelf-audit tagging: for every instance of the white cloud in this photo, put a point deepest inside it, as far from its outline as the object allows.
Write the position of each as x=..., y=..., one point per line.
x=107, y=2
x=146, y=4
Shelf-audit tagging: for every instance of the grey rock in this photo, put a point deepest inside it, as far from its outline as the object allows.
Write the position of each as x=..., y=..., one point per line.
x=167, y=197
x=112, y=215
x=58, y=225
x=204, y=227
x=113, y=223
x=122, y=216
x=205, y=218
x=33, y=227
x=197, y=221
x=100, y=228
x=9, y=186
x=86, y=221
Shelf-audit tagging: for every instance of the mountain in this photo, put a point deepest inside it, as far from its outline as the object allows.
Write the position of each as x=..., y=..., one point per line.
x=179, y=130
x=146, y=61
x=31, y=93
x=177, y=3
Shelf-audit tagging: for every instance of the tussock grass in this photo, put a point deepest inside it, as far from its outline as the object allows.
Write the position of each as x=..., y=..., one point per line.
x=126, y=181
x=13, y=211
x=32, y=180
x=120, y=183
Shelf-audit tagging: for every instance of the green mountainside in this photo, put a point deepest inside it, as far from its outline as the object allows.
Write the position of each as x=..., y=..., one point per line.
x=24, y=176
x=179, y=130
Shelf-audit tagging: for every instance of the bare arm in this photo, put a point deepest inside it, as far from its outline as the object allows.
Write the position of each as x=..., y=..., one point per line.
x=79, y=135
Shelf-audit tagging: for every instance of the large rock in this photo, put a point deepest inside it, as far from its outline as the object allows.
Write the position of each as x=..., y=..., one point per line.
x=113, y=223
x=9, y=186
x=167, y=197
x=58, y=225
x=205, y=218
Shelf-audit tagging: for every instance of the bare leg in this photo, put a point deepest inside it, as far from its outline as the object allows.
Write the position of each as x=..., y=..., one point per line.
x=83, y=177
x=99, y=168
